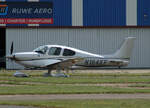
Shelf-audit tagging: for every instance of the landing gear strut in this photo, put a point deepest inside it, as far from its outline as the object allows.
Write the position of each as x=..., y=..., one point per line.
x=48, y=73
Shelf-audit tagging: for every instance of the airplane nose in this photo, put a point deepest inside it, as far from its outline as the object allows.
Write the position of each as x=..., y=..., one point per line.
x=11, y=56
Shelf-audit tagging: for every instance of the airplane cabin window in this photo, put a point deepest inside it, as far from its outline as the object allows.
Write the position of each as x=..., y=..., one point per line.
x=54, y=51
x=68, y=52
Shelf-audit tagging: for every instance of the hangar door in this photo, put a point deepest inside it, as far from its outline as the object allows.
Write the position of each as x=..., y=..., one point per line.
x=2, y=48
x=99, y=41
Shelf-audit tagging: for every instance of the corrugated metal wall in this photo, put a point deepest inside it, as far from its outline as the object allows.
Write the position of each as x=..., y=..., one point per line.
x=131, y=12
x=77, y=12
x=144, y=12
x=61, y=13
x=104, y=12
x=96, y=13
x=100, y=41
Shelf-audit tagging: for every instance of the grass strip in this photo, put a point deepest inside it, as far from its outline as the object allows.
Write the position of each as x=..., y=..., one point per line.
x=140, y=85
x=66, y=89
x=36, y=73
x=117, y=103
x=78, y=80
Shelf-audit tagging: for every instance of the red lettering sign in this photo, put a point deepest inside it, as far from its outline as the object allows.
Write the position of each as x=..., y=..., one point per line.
x=26, y=20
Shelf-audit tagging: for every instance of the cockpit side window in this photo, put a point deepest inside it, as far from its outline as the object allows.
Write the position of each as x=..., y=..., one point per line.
x=68, y=52
x=54, y=51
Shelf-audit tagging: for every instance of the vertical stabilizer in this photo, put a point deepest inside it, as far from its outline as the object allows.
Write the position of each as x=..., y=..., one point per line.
x=126, y=49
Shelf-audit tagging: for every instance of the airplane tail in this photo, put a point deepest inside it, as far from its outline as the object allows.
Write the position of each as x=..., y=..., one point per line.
x=125, y=50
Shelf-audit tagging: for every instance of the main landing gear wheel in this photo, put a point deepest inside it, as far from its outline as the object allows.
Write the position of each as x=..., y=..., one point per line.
x=48, y=74
x=58, y=74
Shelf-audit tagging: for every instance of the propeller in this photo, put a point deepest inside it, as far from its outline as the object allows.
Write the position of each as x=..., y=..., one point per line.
x=12, y=47
x=11, y=56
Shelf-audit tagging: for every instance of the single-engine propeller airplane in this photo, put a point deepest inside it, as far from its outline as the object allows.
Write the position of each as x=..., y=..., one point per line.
x=62, y=57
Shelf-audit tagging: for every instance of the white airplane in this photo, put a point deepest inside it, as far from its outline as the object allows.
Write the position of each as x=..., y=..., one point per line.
x=62, y=57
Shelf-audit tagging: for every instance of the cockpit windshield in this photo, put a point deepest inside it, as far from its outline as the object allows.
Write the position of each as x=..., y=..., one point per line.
x=41, y=49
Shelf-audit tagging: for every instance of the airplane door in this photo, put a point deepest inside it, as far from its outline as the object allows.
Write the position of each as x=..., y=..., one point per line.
x=54, y=51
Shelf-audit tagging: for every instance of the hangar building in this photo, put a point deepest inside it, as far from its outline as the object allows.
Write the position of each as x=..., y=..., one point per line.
x=97, y=26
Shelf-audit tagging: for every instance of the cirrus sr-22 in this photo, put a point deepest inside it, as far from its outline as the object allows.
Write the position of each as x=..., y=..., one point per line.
x=62, y=57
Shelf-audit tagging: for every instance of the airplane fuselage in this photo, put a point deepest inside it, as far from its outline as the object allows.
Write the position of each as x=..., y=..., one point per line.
x=87, y=62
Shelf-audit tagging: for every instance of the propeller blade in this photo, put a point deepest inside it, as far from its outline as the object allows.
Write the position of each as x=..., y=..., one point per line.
x=12, y=48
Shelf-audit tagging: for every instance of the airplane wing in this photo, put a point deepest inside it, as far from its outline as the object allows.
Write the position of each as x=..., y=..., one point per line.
x=64, y=63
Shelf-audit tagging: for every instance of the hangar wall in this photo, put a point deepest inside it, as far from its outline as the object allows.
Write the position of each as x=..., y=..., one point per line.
x=94, y=26
x=81, y=13
x=96, y=40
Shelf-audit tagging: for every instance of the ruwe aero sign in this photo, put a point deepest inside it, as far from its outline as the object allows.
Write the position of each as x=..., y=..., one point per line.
x=26, y=13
